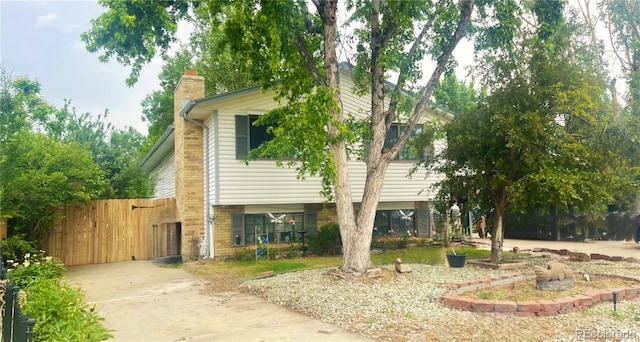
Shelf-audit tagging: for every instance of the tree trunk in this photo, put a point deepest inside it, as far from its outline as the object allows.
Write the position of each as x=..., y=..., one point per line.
x=497, y=235
x=355, y=242
x=357, y=233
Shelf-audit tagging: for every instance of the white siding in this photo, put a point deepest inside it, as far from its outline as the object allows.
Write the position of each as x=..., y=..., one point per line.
x=165, y=177
x=262, y=183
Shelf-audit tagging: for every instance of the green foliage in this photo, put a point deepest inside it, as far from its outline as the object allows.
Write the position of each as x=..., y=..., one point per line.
x=623, y=20
x=52, y=156
x=133, y=30
x=114, y=150
x=59, y=309
x=455, y=96
x=216, y=61
x=61, y=314
x=35, y=268
x=292, y=48
x=16, y=246
x=157, y=107
x=244, y=255
x=40, y=176
x=327, y=241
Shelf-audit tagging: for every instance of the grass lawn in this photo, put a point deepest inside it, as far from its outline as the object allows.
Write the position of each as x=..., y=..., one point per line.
x=245, y=269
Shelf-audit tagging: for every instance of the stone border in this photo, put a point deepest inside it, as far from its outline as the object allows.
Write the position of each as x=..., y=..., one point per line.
x=577, y=256
x=453, y=298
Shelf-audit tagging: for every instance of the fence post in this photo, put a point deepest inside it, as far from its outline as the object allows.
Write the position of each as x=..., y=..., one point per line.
x=9, y=312
x=31, y=323
x=16, y=326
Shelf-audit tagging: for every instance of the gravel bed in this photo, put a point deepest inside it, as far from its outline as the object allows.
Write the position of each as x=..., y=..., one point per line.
x=406, y=307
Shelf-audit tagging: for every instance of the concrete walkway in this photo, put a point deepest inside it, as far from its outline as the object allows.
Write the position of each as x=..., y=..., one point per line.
x=145, y=302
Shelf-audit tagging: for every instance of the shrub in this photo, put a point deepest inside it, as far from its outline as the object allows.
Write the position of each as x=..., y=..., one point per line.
x=33, y=268
x=245, y=255
x=327, y=241
x=61, y=314
x=16, y=247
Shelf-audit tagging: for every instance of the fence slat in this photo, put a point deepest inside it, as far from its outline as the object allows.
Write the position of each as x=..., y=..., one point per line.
x=113, y=231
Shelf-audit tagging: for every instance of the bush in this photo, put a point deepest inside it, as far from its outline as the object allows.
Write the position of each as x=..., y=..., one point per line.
x=245, y=255
x=16, y=247
x=61, y=314
x=33, y=268
x=327, y=241
x=59, y=309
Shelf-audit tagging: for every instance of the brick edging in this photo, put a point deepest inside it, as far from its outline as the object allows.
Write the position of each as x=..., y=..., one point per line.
x=455, y=300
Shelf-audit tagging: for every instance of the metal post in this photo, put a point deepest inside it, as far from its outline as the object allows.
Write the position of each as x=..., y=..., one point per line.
x=31, y=323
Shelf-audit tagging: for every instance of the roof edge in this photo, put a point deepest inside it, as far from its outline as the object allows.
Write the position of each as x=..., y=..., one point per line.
x=149, y=162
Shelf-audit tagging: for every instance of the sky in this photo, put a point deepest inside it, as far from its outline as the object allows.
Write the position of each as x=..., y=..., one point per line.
x=41, y=40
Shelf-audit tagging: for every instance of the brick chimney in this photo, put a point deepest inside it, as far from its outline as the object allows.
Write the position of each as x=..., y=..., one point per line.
x=189, y=165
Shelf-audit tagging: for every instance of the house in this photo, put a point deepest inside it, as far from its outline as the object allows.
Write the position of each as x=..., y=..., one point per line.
x=226, y=204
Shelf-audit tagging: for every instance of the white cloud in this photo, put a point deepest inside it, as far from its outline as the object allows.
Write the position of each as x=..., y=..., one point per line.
x=52, y=20
x=46, y=20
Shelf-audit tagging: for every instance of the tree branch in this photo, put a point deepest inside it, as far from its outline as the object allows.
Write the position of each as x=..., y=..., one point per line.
x=465, y=15
x=308, y=60
x=308, y=23
x=402, y=77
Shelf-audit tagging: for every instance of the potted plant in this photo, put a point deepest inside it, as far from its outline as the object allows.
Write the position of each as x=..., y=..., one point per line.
x=456, y=260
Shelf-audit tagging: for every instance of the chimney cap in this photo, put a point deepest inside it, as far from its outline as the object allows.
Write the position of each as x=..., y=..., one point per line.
x=191, y=72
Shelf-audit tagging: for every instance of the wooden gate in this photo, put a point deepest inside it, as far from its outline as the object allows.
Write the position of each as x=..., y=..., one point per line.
x=115, y=230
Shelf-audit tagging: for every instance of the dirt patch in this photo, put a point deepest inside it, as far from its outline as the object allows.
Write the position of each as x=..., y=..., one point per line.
x=216, y=281
x=526, y=290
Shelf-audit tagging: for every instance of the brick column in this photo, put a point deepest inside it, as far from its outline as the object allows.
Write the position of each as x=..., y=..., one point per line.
x=189, y=160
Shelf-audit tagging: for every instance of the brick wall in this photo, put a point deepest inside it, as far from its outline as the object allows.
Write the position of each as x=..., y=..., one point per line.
x=189, y=163
x=222, y=230
x=326, y=213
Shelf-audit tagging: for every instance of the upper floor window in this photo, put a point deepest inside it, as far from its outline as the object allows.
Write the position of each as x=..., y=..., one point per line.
x=410, y=151
x=248, y=135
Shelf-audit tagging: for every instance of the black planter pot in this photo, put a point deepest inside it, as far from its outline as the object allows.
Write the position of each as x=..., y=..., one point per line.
x=456, y=260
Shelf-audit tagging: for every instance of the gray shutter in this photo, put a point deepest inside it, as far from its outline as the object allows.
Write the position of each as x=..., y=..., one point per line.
x=237, y=230
x=422, y=222
x=242, y=136
x=311, y=223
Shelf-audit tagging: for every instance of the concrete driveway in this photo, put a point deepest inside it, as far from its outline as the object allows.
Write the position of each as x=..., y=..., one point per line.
x=145, y=302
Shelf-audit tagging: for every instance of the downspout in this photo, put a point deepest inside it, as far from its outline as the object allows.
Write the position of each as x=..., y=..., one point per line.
x=208, y=230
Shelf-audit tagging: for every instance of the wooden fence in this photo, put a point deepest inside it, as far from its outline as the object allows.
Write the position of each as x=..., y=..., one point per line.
x=115, y=230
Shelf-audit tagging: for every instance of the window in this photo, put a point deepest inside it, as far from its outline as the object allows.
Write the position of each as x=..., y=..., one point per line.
x=390, y=222
x=248, y=135
x=247, y=228
x=410, y=151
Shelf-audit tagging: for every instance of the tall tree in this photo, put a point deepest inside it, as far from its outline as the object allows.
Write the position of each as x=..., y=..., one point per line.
x=39, y=176
x=214, y=59
x=623, y=21
x=543, y=136
x=157, y=107
x=116, y=151
x=293, y=48
x=50, y=156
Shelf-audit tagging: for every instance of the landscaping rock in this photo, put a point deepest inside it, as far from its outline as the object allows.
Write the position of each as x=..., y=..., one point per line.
x=556, y=285
x=577, y=256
